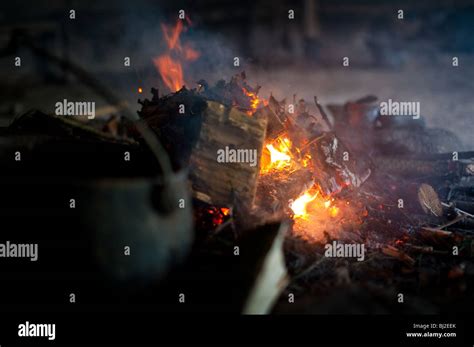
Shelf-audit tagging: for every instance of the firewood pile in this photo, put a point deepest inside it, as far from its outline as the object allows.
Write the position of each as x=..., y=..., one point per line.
x=405, y=191
x=310, y=176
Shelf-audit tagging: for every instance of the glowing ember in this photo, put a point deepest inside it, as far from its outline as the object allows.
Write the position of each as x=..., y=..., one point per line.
x=140, y=90
x=169, y=64
x=218, y=214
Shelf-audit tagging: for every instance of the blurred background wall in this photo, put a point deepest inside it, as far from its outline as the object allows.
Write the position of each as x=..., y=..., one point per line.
x=409, y=59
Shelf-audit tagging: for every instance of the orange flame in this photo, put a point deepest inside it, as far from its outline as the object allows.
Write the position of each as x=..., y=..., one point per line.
x=169, y=64
x=190, y=54
x=255, y=101
x=277, y=155
x=333, y=211
x=312, y=199
x=298, y=206
x=171, y=72
x=171, y=35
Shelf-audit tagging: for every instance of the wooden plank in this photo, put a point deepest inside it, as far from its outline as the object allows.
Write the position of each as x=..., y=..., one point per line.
x=219, y=182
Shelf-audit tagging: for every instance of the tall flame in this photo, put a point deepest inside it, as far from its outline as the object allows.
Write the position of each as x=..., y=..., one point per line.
x=171, y=72
x=171, y=35
x=169, y=64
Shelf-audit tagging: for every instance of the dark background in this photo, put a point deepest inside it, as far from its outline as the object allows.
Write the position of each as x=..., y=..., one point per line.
x=407, y=59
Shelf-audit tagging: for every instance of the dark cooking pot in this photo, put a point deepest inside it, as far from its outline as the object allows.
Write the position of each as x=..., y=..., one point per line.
x=138, y=226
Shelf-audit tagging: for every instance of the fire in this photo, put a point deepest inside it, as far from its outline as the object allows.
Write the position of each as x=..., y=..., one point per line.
x=333, y=211
x=190, y=54
x=169, y=64
x=313, y=210
x=298, y=206
x=171, y=35
x=310, y=201
x=218, y=214
x=277, y=155
x=171, y=72
x=316, y=215
x=281, y=155
x=254, y=101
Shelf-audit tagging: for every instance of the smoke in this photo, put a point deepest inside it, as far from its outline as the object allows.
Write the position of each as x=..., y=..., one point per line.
x=102, y=36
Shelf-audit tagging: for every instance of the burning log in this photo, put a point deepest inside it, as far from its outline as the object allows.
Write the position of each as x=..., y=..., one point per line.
x=236, y=93
x=214, y=131
x=231, y=132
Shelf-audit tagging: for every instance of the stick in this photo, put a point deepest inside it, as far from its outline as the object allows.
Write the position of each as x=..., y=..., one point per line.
x=323, y=113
